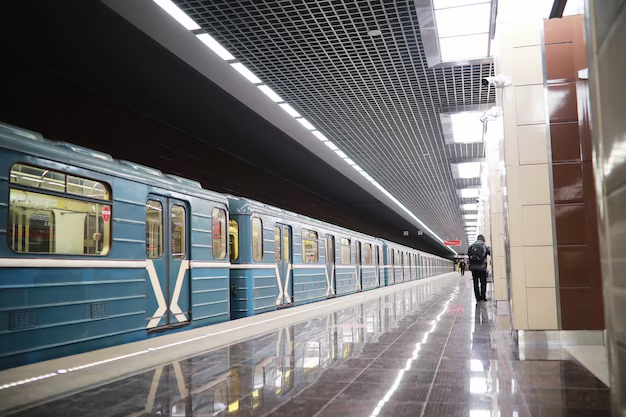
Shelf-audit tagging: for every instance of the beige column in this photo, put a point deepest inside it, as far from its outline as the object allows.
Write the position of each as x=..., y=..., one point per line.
x=494, y=224
x=527, y=176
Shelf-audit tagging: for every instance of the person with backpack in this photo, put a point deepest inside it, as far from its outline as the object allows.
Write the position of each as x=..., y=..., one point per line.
x=462, y=267
x=477, y=254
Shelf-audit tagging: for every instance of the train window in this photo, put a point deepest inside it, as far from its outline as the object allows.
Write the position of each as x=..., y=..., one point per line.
x=287, y=244
x=219, y=233
x=310, y=253
x=257, y=239
x=233, y=239
x=40, y=223
x=345, y=250
x=86, y=188
x=154, y=229
x=45, y=179
x=277, y=245
x=179, y=234
x=330, y=249
x=367, y=253
x=94, y=225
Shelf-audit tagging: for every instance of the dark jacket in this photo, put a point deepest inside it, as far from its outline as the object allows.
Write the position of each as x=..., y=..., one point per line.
x=482, y=266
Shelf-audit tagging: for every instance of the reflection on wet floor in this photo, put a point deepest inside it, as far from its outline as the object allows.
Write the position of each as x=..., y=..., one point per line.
x=423, y=351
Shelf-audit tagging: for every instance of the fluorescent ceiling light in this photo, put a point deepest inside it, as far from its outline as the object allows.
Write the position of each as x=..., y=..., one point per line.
x=444, y=4
x=341, y=154
x=471, y=216
x=350, y=161
x=461, y=48
x=319, y=135
x=215, y=46
x=471, y=224
x=174, y=11
x=358, y=168
x=270, y=93
x=331, y=145
x=466, y=170
x=466, y=20
x=292, y=112
x=470, y=192
x=241, y=69
x=462, y=127
x=469, y=207
x=304, y=122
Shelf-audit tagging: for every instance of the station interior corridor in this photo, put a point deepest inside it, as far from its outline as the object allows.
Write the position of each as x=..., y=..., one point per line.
x=262, y=202
x=426, y=348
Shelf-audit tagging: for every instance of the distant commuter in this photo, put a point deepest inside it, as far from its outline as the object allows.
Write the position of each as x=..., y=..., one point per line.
x=477, y=253
x=462, y=267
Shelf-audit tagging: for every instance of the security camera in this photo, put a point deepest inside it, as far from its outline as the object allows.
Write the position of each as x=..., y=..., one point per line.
x=499, y=81
x=491, y=114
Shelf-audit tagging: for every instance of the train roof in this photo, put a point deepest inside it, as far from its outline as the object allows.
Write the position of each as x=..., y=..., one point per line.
x=242, y=205
x=33, y=143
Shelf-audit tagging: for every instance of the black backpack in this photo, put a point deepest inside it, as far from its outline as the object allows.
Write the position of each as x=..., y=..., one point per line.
x=476, y=254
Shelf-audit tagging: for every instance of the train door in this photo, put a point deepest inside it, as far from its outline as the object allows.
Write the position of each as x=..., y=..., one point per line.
x=282, y=236
x=377, y=266
x=419, y=266
x=330, y=265
x=357, y=265
x=392, y=267
x=167, y=250
x=405, y=269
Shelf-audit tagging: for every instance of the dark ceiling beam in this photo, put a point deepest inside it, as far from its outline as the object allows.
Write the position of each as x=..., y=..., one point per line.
x=86, y=75
x=558, y=7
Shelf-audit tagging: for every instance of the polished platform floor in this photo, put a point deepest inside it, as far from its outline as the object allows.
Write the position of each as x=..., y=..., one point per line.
x=425, y=350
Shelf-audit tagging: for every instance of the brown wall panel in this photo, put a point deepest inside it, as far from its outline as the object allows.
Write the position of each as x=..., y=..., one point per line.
x=579, y=309
x=559, y=30
x=568, y=182
x=571, y=227
x=562, y=103
x=580, y=283
x=573, y=266
x=565, y=142
x=560, y=66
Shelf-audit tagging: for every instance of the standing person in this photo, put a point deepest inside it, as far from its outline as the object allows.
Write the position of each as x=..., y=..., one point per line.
x=477, y=253
x=462, y=267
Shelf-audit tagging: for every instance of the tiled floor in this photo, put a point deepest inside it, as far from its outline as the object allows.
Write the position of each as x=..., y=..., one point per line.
x=423, y=351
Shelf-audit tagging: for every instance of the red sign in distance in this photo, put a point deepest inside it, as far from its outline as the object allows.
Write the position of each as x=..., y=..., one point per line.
x=452, y=243
x=106, y=213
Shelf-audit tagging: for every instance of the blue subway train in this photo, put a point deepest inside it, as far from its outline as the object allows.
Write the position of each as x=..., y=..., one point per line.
x=100, y=252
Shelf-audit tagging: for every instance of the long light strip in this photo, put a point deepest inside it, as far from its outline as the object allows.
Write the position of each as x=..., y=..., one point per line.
x=215, y=46
x=180, y=16
x=241, y=69
x=188, y=23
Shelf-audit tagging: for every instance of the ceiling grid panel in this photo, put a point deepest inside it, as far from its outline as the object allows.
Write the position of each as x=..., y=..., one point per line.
x=373, y=96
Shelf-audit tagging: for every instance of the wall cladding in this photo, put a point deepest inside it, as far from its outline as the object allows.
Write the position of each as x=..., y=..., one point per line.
x=580, y=279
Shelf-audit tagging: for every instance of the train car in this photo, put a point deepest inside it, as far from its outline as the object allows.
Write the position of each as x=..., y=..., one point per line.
x=96, y=252
x=396, y=263
x=282, y=259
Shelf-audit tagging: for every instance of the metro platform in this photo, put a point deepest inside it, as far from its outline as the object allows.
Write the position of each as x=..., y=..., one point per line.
x=421, y=348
